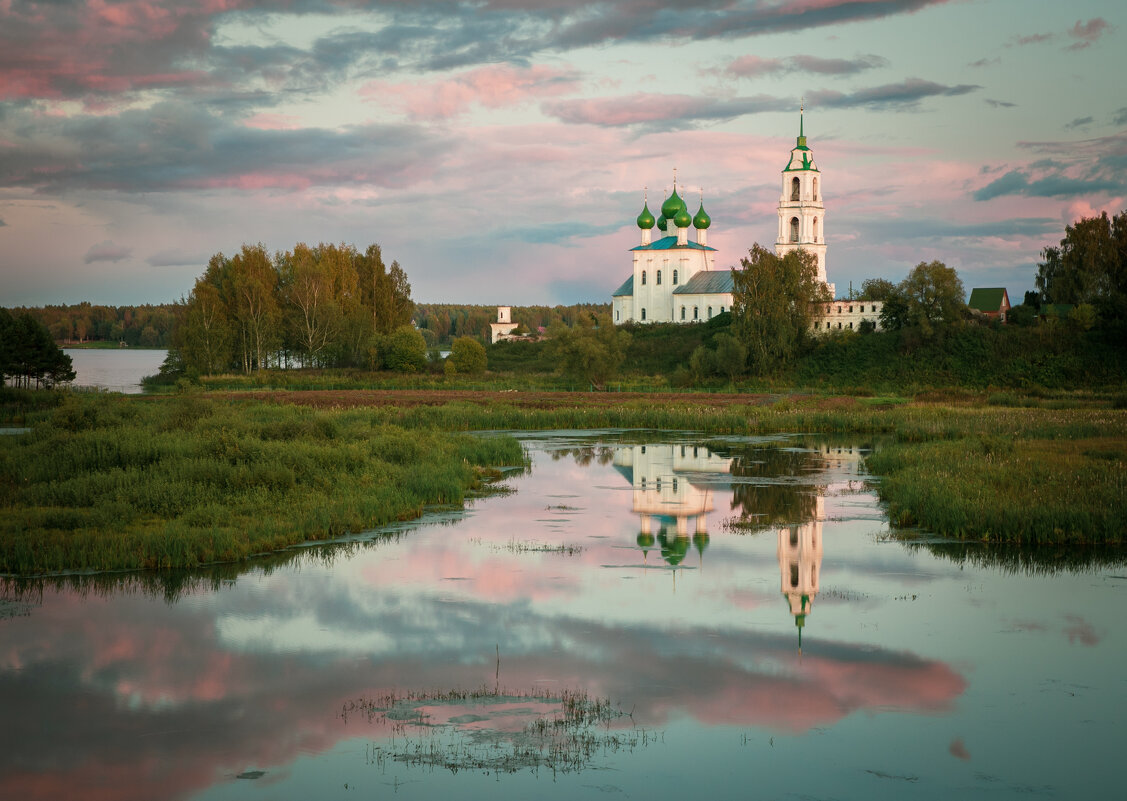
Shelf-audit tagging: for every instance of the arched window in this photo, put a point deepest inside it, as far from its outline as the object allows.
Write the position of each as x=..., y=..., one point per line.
x=793, y=236
x=659, y=277
x=815, y=189
x=674, y=278
x=617, y=315
x=794, y=187
x=696, y=314
x=643, y=277
x=643, y=310
x=815, y=229
x=709, y=312
x=793, y=574
x=682, y=317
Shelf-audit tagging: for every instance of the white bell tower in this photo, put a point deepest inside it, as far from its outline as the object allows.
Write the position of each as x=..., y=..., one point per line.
x=801, y=213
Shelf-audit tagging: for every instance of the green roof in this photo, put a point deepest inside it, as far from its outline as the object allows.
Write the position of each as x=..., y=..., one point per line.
x=707, y=282
x=670, y=243
x=626, y=289
x=987, y=299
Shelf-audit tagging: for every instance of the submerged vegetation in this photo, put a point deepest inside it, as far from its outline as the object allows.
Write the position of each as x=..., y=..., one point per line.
x=107, y=482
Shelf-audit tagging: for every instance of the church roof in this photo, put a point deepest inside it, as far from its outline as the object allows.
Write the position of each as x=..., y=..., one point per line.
x=987, y=299
x=670, y=243
x=626, y=289
x=707, y=282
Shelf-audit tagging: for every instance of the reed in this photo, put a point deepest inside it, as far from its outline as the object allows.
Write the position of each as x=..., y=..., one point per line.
x=109, y=483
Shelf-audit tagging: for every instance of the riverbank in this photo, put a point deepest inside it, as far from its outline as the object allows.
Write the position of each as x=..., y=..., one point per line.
x=174, y=481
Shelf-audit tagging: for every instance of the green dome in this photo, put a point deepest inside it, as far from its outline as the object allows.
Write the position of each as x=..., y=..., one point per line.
x=662, y=223
x=682, y=219
x=645, y=540
x=701, y=221
x=646, y=219
x=672, y=205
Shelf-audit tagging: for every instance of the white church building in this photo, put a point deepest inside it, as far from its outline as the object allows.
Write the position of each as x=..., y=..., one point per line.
x=675, y=278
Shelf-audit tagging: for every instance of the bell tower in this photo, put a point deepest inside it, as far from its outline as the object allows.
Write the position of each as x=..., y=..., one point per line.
x=801, y=213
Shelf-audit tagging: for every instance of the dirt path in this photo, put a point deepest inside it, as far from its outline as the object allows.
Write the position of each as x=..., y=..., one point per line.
x=352, y=398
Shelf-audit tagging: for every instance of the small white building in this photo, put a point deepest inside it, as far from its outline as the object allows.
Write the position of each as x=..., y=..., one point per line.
x=503, y=328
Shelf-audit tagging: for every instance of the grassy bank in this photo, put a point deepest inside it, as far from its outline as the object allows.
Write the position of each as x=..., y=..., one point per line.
x=116, y=483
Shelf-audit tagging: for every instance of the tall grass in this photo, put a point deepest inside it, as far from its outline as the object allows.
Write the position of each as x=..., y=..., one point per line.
x=107, y=483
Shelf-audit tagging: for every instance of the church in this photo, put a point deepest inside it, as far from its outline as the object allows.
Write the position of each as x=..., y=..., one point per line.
x=675, y=278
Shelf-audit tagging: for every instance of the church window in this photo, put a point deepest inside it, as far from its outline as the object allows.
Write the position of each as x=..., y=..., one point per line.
x=794, y=537
x=851, y=310
x=839, y=309
x=617, y=315
x=794, y=227
x=659, y=277
x=644, y=311
x=644, y=317
x=862, y=310
x=793, y=574
x=643, y=277
x=815, y=189
x=674, y=278
x=721, y=309
x=659, y=485
x=682, y=317
x=851, y=325
x=696, y=314
x=643, y=482
x=815, y=229
x=794, y=185
x=674, y=485
x=709, y=312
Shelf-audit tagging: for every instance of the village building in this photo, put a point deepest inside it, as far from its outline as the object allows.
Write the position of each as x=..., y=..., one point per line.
x=993, y=302
x=674, y=278
x=502, y=328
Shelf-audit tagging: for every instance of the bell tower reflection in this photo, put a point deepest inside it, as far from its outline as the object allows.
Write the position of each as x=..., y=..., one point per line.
x=800, y=561
x=671, y=505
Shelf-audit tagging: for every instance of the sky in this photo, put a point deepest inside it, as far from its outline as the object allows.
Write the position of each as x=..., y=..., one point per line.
x=500, y=150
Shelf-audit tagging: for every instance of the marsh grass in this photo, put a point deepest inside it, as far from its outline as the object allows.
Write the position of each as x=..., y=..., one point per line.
x=109, y=483
x=567, y=740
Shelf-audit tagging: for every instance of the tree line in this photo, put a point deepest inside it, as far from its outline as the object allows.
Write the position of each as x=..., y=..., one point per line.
x=145, y=326
x=322, y=306
x=442, y=323
x=29, y=356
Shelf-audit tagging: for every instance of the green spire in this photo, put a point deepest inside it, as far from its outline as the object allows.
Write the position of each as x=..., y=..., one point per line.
x=701, y=221
x=646, y=219
x=801, y=132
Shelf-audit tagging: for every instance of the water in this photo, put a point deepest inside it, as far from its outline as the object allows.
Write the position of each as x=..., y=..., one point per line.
x=753, y=628
x=119, y=370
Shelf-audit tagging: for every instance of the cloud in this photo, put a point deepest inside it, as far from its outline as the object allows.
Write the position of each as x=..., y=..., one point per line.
x=181, y=146
x=985, y=62
x=2, y=223
x=904, y=95
x=752, y=66
x=1087, y=33
x=1120, y=117
x=107, y=251
x=1023, y=182
x=668, y=110
x=494, y=86
x=1036, y=38
x=176, y=258
x=1079, y=122
x=1068, y=169
x=999, y=103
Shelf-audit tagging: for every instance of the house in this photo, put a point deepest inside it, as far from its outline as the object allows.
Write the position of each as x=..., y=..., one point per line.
x=994, y=302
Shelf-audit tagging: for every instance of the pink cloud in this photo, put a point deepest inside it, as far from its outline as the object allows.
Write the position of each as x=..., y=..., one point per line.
x=493, y=87
x=273, y=122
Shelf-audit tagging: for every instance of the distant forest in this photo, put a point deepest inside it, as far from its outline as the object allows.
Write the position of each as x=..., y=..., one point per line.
x=448, y=321
x=145, y=326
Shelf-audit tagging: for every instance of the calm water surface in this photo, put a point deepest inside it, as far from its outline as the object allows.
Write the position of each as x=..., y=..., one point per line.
x=737, y=604
x=119, y=370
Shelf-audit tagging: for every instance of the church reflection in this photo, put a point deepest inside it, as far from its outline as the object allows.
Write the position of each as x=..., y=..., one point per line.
x=772, y=488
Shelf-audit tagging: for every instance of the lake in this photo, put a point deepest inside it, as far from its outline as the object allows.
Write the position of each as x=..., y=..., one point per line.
x=638, y=616
x=117, y=370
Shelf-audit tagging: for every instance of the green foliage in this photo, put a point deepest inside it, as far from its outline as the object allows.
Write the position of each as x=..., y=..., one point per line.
x=592, y=354
x=772, y=306
x=449, y=321
x=876, y=289
x=932, y=295
x=405, y=350
x=468, y=356
x=1023, y=315
x=29, y=355
x=1090, y=266
x=110, y=483
x=85, y=325
x=317, y=306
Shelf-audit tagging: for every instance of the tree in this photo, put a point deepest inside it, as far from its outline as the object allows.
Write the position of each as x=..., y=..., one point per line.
x=1023, y=315
x=468, y=356
x=1032, y=299
x=876, y=289
x=1090, y=266
x=257, y=309
x=405, y=350
x=28, y=352
x=773, y=307
x=593, y=354
x=894, y=313
x=731, y=356
x=934, y=293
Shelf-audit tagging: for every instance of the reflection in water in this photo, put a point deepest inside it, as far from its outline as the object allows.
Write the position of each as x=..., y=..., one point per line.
x=230, y=673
